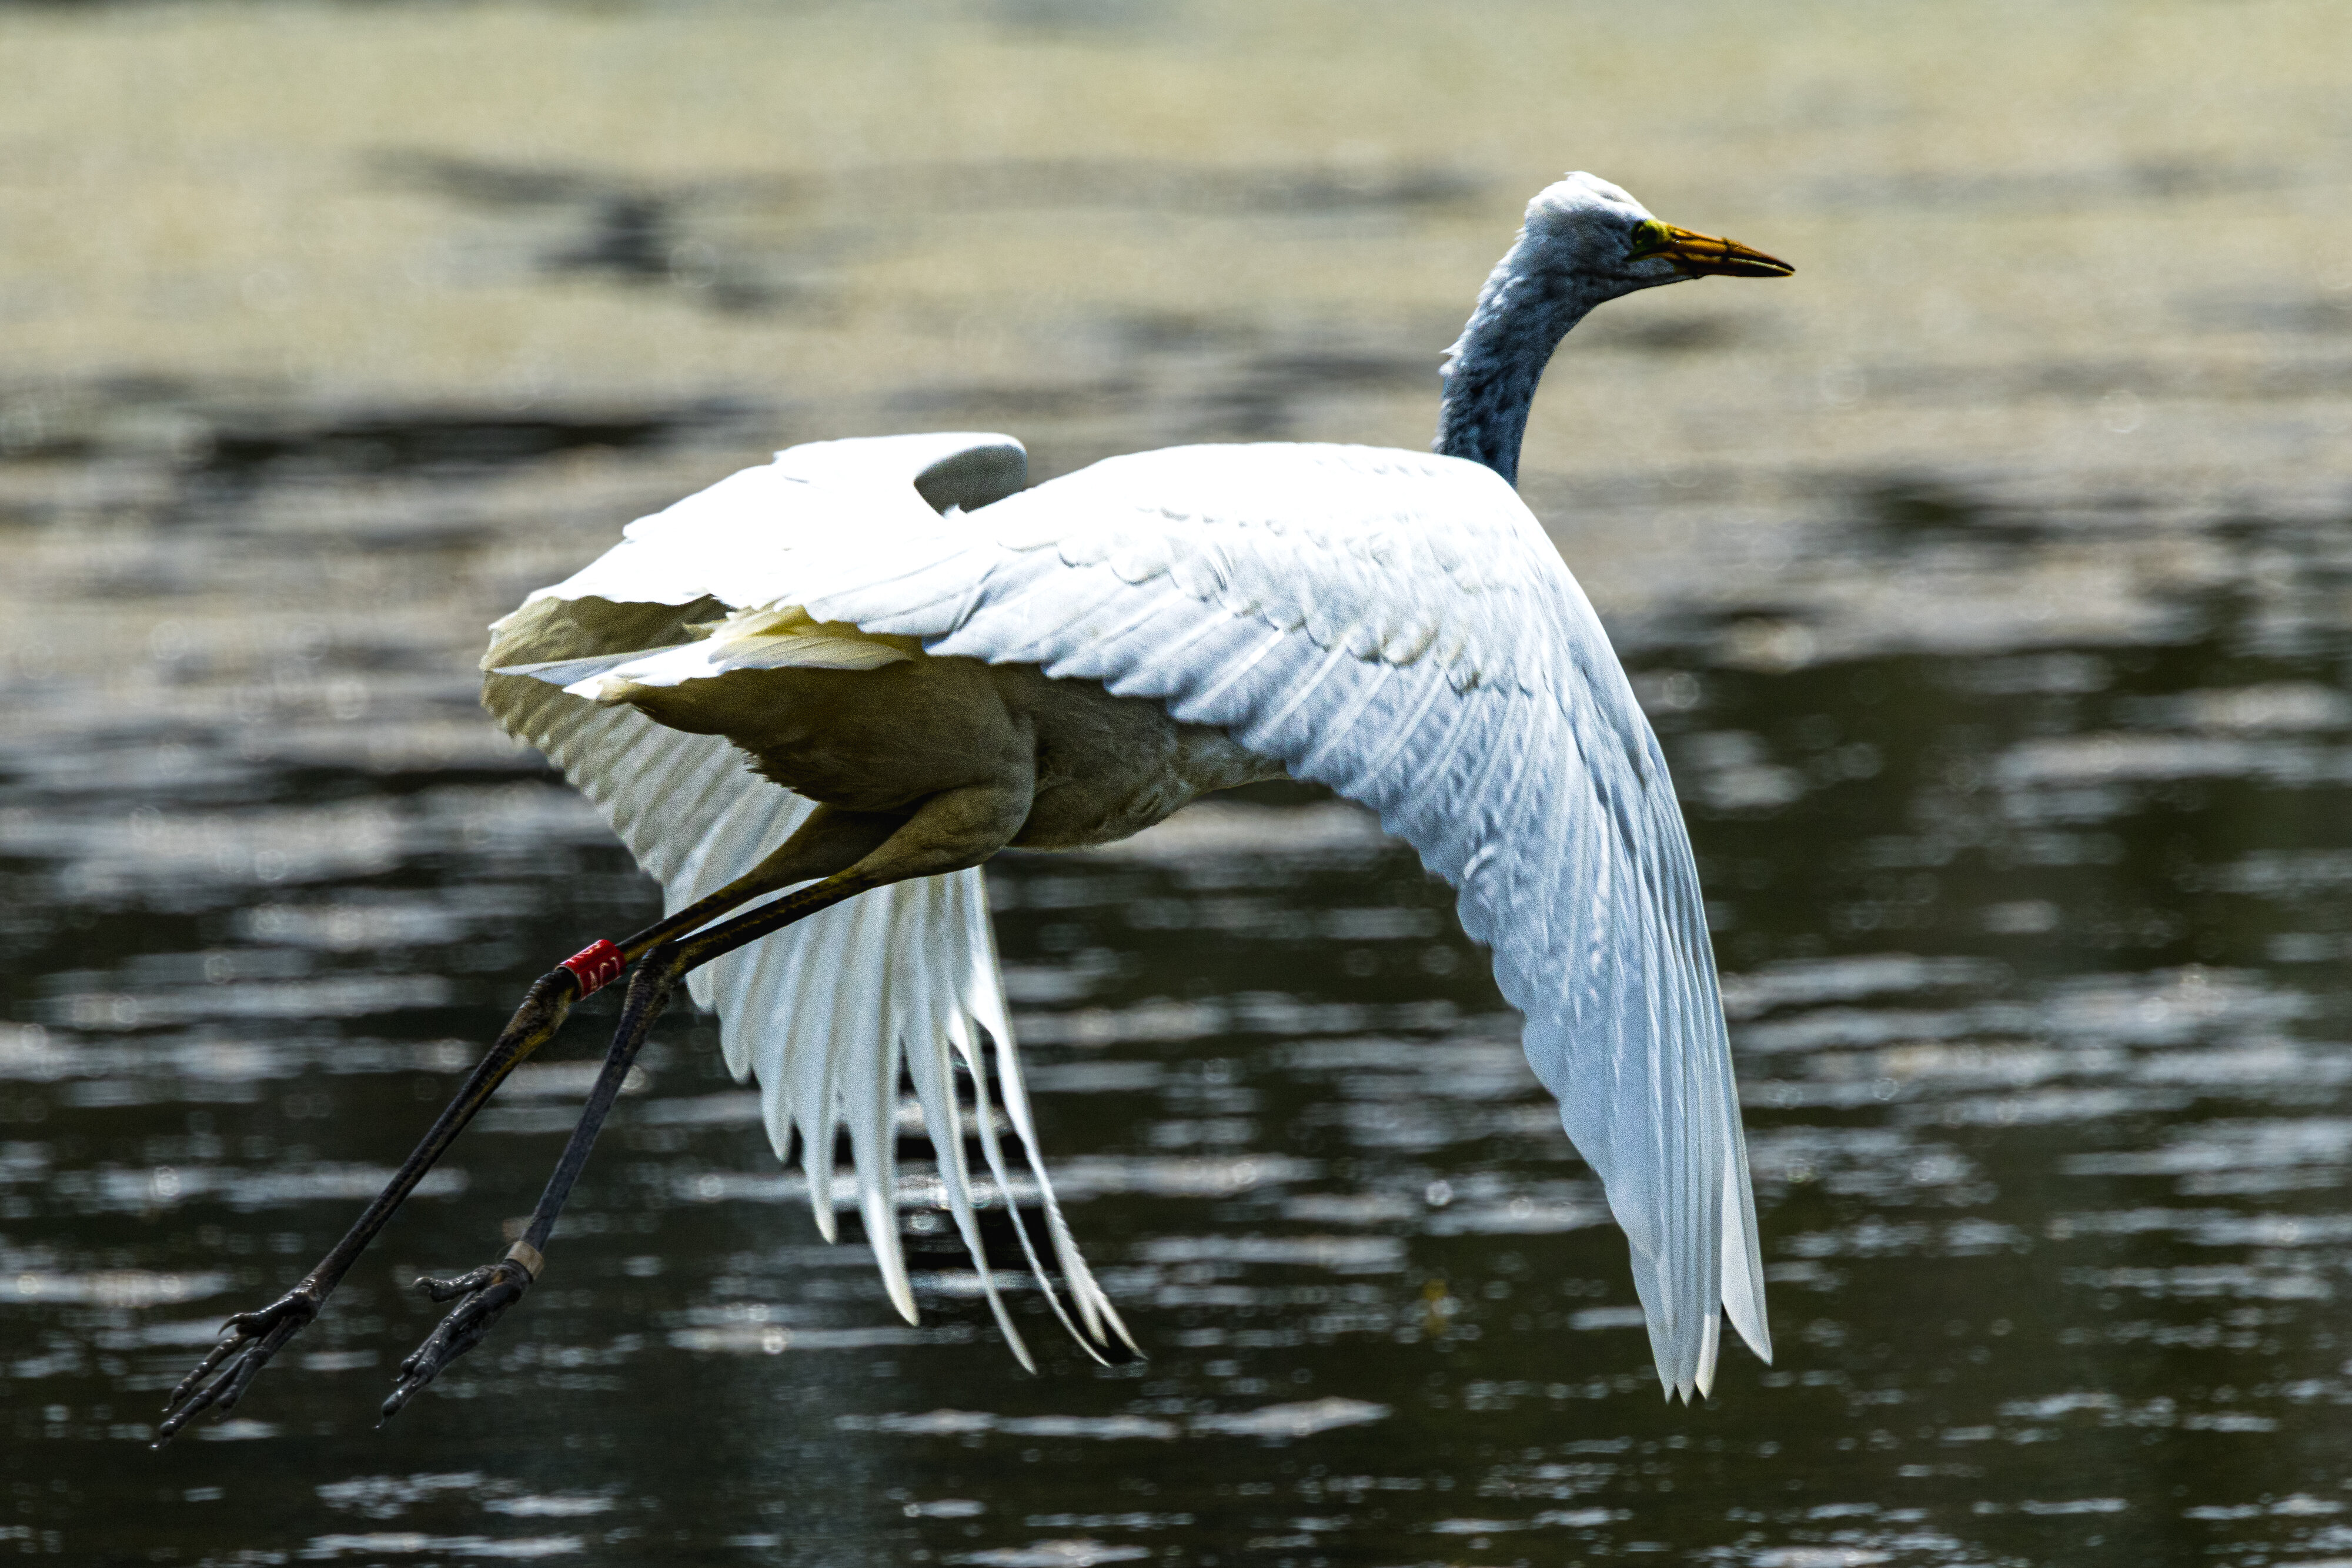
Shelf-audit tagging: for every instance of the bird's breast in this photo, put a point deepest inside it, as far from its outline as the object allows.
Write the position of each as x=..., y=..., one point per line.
x=1110, y=767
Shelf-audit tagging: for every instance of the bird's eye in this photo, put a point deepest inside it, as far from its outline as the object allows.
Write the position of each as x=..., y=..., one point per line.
x=1649, y=236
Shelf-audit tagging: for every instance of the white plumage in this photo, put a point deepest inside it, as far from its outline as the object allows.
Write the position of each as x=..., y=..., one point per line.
x=1393, y=624
x=822, y=1014
x=925, y=663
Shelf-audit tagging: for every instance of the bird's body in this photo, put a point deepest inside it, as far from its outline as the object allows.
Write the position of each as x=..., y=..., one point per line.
x=859, y=671
x=1098, y=769
x=878, y=623
x=1394, y=624
x=1081, y=768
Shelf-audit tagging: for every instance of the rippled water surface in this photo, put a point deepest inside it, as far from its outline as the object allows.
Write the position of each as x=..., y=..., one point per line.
x=2020, y=791
x=2035, y=965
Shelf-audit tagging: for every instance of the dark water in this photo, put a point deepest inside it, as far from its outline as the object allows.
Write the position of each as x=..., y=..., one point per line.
x=2035, y=961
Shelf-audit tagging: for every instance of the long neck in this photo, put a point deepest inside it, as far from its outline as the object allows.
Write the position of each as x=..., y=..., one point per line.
x=1530, y=302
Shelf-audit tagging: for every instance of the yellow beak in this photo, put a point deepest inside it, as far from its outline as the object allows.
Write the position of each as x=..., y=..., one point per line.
x=1698, y=255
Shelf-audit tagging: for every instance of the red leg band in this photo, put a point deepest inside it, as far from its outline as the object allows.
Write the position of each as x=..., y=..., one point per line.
x=597, y=966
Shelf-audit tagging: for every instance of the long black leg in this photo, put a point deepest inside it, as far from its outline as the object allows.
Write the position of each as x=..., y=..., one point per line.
x=487, y=1292
x=951, y=830
x=249, y=1340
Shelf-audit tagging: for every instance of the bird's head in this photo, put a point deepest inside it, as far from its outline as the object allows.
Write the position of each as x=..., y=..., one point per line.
x=1612, y=238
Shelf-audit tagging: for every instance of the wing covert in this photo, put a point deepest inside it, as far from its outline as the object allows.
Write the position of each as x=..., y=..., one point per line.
x=1398, y=627
x=1393, y=624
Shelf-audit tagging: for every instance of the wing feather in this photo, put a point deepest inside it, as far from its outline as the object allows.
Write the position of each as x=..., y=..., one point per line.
x=1348, y=609
x=822, y=1014
x=1372, y=781
x=1270, y=728
x=1393, y=625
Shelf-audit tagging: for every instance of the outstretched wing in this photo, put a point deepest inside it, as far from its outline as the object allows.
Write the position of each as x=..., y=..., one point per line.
x=1393, y=625
x=824, y=1013
x=1397, y=626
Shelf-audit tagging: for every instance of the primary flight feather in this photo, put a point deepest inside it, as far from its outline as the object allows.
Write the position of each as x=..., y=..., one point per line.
x=922, y=662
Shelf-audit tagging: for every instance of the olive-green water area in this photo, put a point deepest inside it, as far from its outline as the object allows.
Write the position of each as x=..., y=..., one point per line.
x=1989, y=584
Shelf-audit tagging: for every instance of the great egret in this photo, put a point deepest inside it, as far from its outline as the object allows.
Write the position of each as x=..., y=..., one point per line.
x=925, y=663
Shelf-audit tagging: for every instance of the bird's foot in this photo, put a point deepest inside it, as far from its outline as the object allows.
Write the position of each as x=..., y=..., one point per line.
x=485, y=1295
x=248, y=1342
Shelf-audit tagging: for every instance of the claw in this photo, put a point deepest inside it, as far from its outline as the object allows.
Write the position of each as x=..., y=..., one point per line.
x=458, y=1285
x=248, y=1342
x=487, y=1293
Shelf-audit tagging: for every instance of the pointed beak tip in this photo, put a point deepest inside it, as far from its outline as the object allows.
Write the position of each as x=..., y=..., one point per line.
x=1702, y=255
x=1738, y=261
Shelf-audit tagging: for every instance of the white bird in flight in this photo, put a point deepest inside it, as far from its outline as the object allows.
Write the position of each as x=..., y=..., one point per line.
x=925, y=663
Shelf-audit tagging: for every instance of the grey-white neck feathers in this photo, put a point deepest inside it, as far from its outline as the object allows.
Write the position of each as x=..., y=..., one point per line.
x=1530, y=302
x=1571, y=254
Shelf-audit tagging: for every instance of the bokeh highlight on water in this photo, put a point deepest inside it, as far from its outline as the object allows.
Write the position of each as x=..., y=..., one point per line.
x=2018, y=783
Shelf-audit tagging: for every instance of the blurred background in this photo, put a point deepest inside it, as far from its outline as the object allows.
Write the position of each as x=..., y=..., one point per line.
x=1988, y=581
